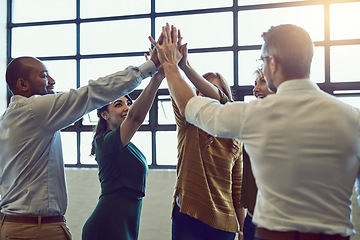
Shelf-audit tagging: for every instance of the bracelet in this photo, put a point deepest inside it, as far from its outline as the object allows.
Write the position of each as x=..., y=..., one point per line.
x=241, y=233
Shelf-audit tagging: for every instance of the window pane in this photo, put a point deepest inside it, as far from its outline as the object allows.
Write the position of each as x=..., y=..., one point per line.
x=100, y=67
x=344, y=63
x=142, y=141
x=253, y=2
x=353, y=101
x=43, y=10
x=44, y=40
x=85, y=148
x=91, y=118
x=317, y=71
x=64, y=74
x=172, y=5
x=115, y=36
x=166, y=148
x=344, y=21
x=69, y=147
x=105, y=8
x=262, y=20
x=247, y=66
x=221, y=62
x=165, y=111
x=208, y=35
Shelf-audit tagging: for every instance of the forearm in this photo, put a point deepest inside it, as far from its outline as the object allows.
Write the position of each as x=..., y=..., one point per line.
x=180, y=91
x=143, y=103
x=203, y=85
x=240, y=214
x=59, y=110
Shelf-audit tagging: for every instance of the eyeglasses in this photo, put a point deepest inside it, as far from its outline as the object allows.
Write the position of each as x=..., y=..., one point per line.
x=260, y=62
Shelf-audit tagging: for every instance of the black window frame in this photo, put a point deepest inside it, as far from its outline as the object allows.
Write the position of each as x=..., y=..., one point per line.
x=239, y=91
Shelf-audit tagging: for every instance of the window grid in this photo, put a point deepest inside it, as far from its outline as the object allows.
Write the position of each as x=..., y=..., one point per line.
x=239, y=91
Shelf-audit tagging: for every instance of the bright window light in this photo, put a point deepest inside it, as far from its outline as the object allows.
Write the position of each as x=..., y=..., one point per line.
x=115, y=36
x=344, y=63
x=344, y=21
x=166, y=148
x=173, y=5
x=43, y=10
x=108, y=8
x=199, y=30
x=253, y=23
x=43, y=41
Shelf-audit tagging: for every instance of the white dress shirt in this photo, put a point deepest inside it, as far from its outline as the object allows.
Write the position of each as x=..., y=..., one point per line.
x=32, y=180
x=304, y=147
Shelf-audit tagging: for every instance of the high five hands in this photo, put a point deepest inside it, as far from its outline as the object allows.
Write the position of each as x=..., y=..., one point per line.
x=168, y=50
x=171, y=53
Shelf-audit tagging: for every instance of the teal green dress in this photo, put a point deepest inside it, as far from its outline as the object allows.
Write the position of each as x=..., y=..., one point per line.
x=122, y=175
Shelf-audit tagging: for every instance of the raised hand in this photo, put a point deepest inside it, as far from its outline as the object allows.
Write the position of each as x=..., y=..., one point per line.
x=184, y=52
x=160, y=73
x=168, y=51
x=154, y=55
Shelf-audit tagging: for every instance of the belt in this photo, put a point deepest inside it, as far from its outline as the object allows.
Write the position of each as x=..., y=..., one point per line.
x=31, y=219
x=263, y=233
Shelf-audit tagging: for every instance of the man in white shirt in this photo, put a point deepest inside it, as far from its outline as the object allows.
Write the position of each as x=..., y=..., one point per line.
x=304, y=144
x=32, y=181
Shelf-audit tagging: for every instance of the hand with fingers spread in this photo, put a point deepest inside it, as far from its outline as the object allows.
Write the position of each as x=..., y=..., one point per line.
x=154, y=55
x=184, y=52
x=168, y=50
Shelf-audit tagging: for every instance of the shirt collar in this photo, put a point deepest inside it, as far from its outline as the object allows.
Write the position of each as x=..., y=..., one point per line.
x=296, y=85
x=16, y=98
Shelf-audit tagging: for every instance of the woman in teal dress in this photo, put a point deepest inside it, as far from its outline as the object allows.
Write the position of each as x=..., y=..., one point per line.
x=122, y=167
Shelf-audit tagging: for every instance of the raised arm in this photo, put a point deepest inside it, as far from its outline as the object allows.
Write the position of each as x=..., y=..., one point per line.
x=203, y=85
x=169, y=56
x=139, y=109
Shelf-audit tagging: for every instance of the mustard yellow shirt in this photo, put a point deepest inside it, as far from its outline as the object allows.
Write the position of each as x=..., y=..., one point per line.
x=208, y=175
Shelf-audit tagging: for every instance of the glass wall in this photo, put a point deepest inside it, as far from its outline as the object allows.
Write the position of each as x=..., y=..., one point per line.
x=80, y=40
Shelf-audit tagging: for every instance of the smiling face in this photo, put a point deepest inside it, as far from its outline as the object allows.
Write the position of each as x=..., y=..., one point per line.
x=116, y=112
x=40, y=82
x=260, y=89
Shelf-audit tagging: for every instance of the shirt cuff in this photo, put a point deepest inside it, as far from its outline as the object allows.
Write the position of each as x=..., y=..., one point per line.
x=147, y=69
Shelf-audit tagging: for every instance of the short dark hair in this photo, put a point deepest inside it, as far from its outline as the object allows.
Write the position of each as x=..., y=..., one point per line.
x=17, y=69
x=292, y=47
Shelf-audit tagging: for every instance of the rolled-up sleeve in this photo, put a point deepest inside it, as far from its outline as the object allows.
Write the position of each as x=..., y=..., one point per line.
x=219, y=120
